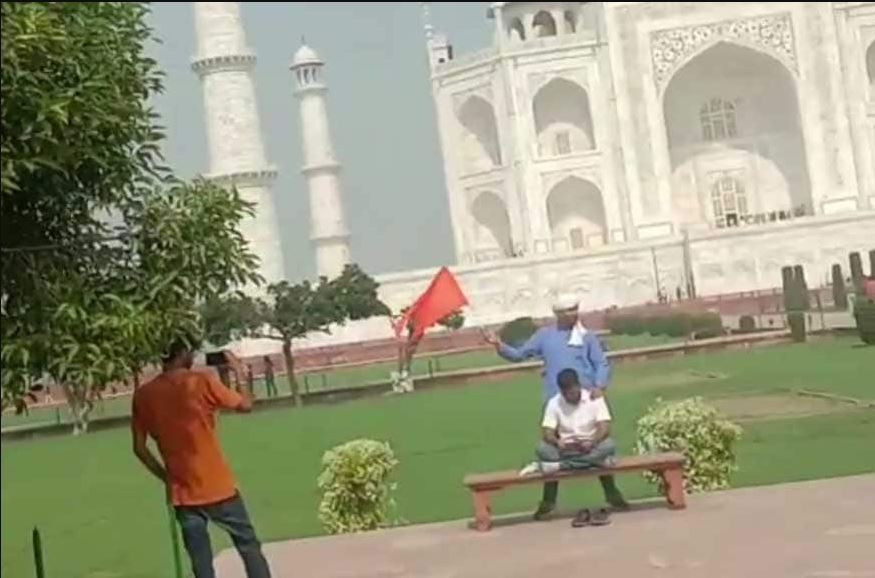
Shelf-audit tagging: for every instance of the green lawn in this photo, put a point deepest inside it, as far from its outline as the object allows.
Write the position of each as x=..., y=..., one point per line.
x=101, y=515
x=334, y=379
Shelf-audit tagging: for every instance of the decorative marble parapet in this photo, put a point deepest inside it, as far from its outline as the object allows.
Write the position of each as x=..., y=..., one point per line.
x=672, y=48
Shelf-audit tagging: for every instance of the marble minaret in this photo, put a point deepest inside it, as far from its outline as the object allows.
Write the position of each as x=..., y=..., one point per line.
x=321, y=169
x=224, y=64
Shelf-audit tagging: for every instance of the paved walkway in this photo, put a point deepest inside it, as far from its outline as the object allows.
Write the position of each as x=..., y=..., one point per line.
x=820, y=529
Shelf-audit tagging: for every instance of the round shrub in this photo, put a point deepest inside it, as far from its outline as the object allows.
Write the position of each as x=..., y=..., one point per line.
x=355, y=486
x=699, y=432
x=706, y=322
x=516, y=332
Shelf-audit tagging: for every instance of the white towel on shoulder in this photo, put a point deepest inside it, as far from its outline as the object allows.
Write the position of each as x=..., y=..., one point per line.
x=577, y=334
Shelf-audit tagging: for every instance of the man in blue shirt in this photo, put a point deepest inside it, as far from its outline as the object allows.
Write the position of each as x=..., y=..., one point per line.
x=564, y=345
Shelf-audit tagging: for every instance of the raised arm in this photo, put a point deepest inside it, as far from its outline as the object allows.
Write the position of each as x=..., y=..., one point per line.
x=531, y=348
x=222, y=397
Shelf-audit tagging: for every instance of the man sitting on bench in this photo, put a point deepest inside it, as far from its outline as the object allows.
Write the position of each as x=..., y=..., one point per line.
x=576, y=435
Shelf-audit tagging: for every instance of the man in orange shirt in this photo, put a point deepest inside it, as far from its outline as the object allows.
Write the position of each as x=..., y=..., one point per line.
x=177, y=409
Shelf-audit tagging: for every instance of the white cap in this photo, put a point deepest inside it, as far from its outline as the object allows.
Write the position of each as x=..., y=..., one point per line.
x=566, y=302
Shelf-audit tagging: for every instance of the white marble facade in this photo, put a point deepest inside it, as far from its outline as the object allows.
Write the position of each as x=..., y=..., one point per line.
x=594, y=144
x=620, y=148
x=588, y=124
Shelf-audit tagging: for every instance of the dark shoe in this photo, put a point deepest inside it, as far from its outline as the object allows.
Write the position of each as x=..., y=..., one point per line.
x=600, y=517
x=544, y=511
x=582, y=519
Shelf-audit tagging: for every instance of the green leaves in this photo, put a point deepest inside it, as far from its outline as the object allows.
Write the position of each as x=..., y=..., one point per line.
x=356, y=488
x=293, y=311
x=105, y=255
x=696, y=429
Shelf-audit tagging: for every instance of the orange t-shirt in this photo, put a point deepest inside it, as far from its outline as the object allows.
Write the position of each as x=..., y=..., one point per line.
x=177, y=409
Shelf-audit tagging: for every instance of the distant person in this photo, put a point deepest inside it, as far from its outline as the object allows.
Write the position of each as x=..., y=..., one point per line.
x=565, y=344
x=269, y=379
x=178, y=410
x=250, y=378
x=576, y=435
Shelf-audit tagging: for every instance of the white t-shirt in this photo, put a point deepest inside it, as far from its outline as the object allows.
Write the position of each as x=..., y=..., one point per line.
x=575, y=421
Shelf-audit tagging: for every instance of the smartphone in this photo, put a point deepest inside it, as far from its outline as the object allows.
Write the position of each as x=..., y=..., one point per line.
x=216, y=358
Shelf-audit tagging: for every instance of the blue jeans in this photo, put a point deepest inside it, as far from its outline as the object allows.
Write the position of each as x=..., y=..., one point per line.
x=231, y=516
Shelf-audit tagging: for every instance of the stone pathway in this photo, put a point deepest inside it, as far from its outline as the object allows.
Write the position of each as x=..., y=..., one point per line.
x=819, y=529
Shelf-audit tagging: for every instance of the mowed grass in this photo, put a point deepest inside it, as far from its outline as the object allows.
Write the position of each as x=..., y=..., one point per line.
x=325, y=380
x=102, y=516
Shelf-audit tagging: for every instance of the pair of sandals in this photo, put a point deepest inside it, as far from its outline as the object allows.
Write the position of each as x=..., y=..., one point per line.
x=596, y=517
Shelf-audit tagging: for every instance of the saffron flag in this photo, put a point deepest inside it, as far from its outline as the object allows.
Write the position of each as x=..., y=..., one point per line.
x=443, y=297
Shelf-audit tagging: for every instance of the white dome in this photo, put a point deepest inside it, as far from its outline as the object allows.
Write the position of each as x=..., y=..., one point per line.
x=305, y=55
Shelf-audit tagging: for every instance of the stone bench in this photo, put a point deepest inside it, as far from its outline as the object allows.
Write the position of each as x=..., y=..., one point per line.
x=669, y=466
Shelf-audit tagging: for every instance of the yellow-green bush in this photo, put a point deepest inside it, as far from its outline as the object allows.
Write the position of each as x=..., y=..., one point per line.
x=699, y=432
x=356, y=487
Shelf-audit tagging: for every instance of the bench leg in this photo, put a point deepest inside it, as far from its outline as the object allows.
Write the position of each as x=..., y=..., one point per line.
x=674, y=488
x=482, y=511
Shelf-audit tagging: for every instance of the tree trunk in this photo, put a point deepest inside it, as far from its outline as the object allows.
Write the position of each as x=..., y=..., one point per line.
x=290, y=372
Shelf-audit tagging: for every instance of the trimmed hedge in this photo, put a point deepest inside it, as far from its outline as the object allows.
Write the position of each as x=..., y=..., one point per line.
x=677, y=324
x=516, y=332
x=864, y=314
x=856, y=271
x=839, y=292
x=796, y=319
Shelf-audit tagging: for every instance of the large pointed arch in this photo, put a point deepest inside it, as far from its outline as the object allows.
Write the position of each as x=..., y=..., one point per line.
x=492, y=224
x=870, y=63
x=576, y=214
x=563, y=122
x=543, y=24
x=734, y=109
x=480, y=143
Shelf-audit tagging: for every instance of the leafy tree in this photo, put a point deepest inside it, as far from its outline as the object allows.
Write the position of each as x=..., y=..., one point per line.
x=292, y=312
x=104, y=254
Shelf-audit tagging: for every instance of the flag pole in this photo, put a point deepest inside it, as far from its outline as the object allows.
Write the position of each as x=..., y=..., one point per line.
x=174, y=541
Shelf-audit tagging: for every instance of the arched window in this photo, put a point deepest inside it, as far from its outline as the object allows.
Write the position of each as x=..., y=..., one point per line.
x=718, y=120
x=517, y=31
x=729, y=202
x=543, y=24
x=870, y=63
x=570, y=22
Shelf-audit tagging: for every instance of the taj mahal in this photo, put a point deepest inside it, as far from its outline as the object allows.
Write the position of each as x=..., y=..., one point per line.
x=618, y=150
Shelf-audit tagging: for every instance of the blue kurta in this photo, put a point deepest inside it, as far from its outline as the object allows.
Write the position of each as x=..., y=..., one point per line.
x=551, y=345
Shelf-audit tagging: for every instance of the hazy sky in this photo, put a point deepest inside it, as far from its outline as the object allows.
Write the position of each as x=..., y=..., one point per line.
x=381, y=111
